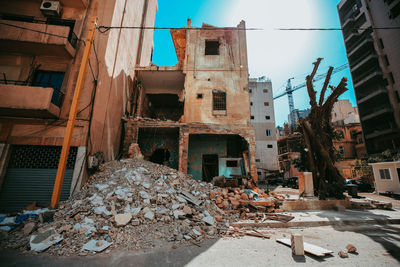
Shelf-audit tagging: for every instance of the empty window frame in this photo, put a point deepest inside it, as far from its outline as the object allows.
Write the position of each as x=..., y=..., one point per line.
x=385, y=174
x=386, y=60
x=269, y=146
x=341, y=150
x=212, y=47
x=266, y=104
x=232, y=163
x=257, y=160
x=199, y=96
x=268, y=132
x=219, y=100
x=265, y=90
x=267, y=117
x=251, y=117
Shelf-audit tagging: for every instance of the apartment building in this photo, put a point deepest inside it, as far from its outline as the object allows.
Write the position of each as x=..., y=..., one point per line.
x=195, y=116
x=374, y=58
x=41, y=48
x=262, y=117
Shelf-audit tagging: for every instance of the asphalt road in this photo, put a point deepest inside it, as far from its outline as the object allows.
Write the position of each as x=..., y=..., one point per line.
x=378, y=245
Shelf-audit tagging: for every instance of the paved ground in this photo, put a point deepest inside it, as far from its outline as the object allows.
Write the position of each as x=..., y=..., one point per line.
x=377, y=246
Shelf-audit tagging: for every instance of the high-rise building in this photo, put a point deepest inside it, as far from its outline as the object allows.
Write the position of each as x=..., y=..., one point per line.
x=373, y=52
x=263, y=119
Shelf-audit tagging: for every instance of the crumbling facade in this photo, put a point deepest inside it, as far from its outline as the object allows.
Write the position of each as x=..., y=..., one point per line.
x=195, y=116
x=262, y=117
x=41, y=48
x=373, y=52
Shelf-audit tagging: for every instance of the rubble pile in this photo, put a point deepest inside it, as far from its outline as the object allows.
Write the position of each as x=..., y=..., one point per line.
x=248, y=202
x=129, y=204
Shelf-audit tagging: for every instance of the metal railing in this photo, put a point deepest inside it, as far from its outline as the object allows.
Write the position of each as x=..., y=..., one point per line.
x=72, y=38
x=57, y=96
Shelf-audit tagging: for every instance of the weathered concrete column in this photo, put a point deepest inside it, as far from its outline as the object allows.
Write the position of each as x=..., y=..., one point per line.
x=252, y=153
x=183, y=149
x=306, y=186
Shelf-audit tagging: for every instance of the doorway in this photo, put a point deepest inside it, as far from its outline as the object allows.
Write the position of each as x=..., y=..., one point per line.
x=210, y=167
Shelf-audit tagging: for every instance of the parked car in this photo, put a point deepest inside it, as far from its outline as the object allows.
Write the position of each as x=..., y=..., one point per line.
x=292, y=182
x=361, y=185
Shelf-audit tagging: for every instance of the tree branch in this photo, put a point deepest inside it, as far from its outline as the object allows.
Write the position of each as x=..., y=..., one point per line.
x=327, y=79
x=309, y=82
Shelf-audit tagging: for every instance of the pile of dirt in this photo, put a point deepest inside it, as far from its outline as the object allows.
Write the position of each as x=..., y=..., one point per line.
x=129, y=204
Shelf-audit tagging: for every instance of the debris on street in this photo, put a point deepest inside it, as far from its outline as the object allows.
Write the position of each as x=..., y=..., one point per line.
x=309, y=248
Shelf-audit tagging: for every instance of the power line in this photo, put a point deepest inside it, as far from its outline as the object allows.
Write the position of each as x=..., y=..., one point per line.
x=104, y=29
x=336, y=29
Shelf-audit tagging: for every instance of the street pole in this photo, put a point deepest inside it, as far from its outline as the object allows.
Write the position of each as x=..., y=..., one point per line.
x=55, y=198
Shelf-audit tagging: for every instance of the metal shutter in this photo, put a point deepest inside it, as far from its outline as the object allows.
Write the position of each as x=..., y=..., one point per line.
x=30, y=176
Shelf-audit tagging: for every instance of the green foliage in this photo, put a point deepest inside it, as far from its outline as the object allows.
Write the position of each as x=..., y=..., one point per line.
x=387, y=155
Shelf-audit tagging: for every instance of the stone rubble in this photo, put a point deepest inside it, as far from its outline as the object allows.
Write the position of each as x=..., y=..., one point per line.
x=128, y=204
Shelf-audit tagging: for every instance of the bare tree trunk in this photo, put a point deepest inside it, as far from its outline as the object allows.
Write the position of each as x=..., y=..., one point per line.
x=318, y=135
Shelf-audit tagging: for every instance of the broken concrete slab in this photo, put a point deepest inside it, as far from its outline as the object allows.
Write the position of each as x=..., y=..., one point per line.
x=208, y=220
x=189, y=197
x=149, y=215
x=96, y=245
x=29, y=228
x=44, y=240
x=122, y=219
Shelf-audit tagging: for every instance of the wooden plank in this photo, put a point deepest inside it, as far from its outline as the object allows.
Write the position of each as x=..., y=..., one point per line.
x=309, y=248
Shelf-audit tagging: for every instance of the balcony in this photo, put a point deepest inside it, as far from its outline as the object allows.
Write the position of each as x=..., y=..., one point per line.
x=379, y=132
x=376, y=111
x=372, y=95
x=29, y=101
x=366, y=76
x=367, y=59
x=37, y=37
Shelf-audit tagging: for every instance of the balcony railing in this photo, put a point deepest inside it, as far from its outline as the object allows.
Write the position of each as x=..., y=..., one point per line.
x=72, y=38
x=57, y=97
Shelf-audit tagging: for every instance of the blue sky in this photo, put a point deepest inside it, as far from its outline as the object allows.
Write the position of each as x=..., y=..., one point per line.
x=278, y=55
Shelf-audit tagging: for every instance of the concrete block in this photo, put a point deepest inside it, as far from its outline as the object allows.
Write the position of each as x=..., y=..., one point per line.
x=297, y=244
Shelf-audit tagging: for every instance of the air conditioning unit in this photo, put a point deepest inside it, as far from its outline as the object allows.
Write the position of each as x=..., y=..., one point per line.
x=51, y=8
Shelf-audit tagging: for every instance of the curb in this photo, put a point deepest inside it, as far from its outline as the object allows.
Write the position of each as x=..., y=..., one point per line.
x=316, y=223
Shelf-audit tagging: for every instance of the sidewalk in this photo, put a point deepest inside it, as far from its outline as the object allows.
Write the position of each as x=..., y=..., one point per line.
x=314, y=218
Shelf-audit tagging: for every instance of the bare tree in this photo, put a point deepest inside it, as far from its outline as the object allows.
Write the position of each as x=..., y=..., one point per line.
x=318, y=135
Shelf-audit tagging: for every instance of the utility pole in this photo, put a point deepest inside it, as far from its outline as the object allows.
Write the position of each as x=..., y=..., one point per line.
x=55, y=198
x=289, y=93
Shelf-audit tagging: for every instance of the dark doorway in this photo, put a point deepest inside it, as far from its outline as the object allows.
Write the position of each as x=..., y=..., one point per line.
x=210, y=167
x=160, y=156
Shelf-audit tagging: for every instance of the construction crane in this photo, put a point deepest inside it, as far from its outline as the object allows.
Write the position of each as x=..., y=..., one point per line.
x=289, y=91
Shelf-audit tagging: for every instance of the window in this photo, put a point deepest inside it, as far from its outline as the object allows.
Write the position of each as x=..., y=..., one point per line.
x=250, y=91
x=360, y=140
x=259, y=173
x=265, y=90
x=212, y=47
x=257, y=160
x=384, y=174
x=219, y=100
x=381, y=45
x=252, y=117
x=269, y=146
x=267, y=117
x=251, y=103
x=341, y=150
x=51, y=79
x=199, y=96
x=395, y=11
x=268, y=132
x=266, y=103
x=397, y=96
x=391, y=77
x=385, y=58
x=232, y=163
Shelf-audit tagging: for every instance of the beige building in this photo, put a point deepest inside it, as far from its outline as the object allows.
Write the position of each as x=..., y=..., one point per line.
x=195, y=116
x=262, y=117
x=374, y=59
x=41, y=47
x=387, y=177
x=344, y=112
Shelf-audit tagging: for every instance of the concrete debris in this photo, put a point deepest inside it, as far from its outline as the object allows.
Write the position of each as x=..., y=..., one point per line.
x=343, y=254
x=122, y=219
x=149, y=203
x=351, y=249
x=96, y=245
x=29, y=228
x=44, y=240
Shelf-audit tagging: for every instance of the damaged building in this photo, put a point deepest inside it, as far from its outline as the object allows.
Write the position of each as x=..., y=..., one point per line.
x=195, y=116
